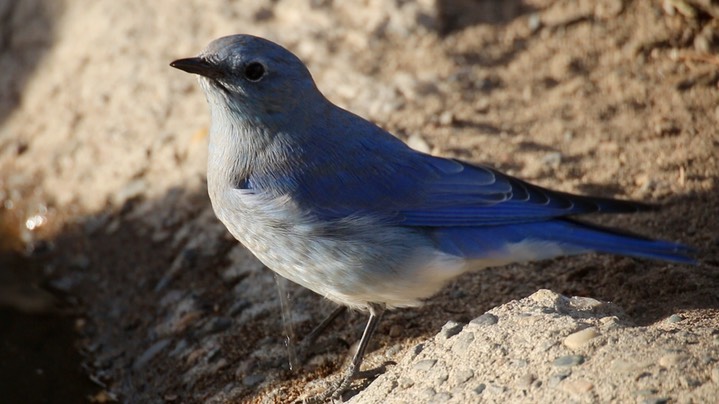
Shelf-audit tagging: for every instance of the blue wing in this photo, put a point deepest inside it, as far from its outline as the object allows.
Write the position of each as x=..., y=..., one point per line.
x=406, y=187
x=469, y=210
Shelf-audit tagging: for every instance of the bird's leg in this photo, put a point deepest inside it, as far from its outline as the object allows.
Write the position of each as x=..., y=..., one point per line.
x=375, y=314
x=321, y=327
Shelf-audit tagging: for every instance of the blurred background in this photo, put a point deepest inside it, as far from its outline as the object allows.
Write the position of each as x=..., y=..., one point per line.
x=116, y=280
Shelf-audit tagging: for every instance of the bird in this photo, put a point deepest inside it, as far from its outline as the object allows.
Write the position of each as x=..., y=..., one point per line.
x=335, y=203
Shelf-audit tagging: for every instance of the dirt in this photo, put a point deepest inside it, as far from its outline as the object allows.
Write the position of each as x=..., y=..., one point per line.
x=102, y=147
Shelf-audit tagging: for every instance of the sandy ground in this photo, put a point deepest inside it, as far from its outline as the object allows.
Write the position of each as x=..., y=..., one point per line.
x=103, y=201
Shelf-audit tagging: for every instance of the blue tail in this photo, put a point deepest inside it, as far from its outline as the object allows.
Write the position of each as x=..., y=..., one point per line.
x=547, y=239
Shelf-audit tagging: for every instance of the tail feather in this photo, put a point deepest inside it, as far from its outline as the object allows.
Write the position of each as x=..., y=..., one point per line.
x=540, y=240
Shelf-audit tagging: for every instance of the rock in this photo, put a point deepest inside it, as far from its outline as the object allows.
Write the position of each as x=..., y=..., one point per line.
x=485, y=320
x=568, y=360
x=579, y=338
x=425, y=364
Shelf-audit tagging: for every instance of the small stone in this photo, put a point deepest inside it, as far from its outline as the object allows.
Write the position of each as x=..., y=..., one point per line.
x=417, y=350
x=674, y=318
x=428, y=392
x=479, y=389
x=442, y=377
x=451, y=328
x=418, y=143
x=554, y=380
x=425, y=364
x=672, y=359
x=393, y=351
x=406, y=382
x=485, y=320
x=464, y=375
x=689, y=382
x=568, y=360
x=463, y=342
x=553, y=159
x=579, y=386
x=395, y=331
x=584, y=303
x=441, y=397
x=579, y=338
x=534, y=23
x=446, y=118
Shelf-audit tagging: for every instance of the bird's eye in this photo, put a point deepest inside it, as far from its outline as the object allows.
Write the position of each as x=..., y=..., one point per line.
x=254, y=71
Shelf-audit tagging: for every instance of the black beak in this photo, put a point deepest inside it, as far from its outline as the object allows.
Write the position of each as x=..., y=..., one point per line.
x=198, y=66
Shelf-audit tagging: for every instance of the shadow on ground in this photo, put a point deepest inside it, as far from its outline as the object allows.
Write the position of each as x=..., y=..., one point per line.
x=201, y=331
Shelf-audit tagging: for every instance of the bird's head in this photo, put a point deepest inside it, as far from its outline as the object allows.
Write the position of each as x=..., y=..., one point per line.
x=252, y=77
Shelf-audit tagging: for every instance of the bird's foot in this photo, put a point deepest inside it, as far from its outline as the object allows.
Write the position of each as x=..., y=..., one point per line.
x=335, y=391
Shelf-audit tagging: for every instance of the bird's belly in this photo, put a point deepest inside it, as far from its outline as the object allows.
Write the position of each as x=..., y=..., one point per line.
x=353, y=261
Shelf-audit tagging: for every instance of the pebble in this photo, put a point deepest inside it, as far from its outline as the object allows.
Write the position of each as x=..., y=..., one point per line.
x=425, y=364
x=689, y=382
x=395, y=331
x=579, y=386
x=579, y=338
x=417, y=350
x=584, y=303
x=555, y=379
x=674, y=318
x=534, y=22
x=441, y=397
x=672, y=359
x=463, y=342
x=479, y=389
x=553, y=159
x=451, y=328
x=569, y=360
x=428, y=392
x=485, y=320
x=496, y=389
x=446, y=118
x=442, y=377
x=464, y=375
x=418, y=143
x=406, y=382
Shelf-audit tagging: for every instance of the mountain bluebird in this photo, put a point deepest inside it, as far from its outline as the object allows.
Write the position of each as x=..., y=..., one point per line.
x=338, y=205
